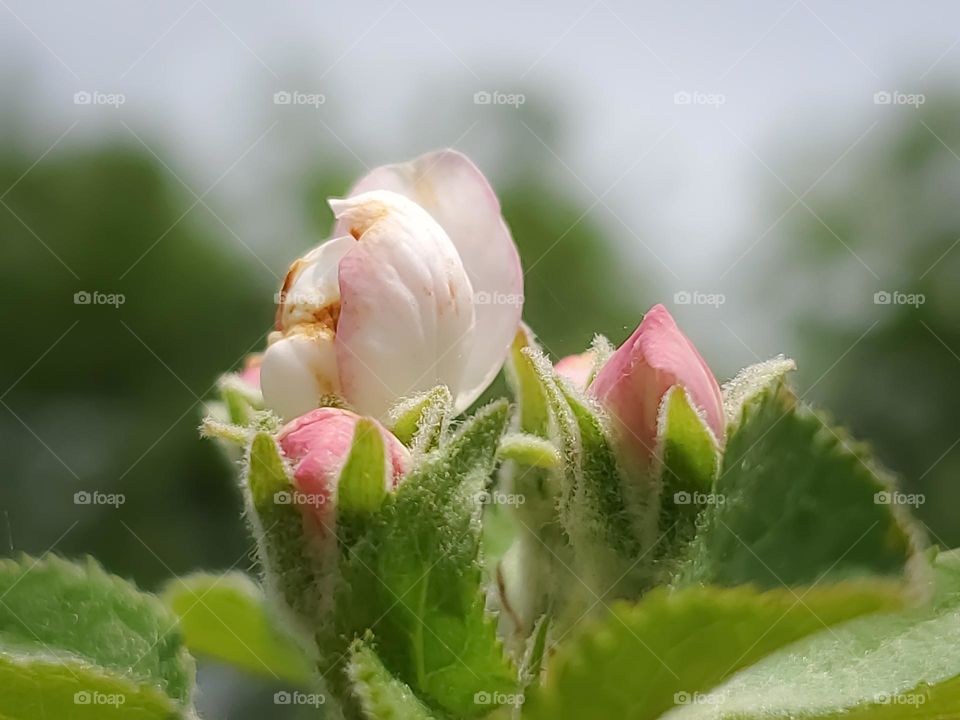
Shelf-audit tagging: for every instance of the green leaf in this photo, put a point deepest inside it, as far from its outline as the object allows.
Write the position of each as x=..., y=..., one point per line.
x=415, y=578
x=361, y=489
x=420, y=421
x=381, y=695
x=796, y=501
x=51, y=685
x=750, y=382
x=226, y=617
x=67, y=628
x=296, y=567
x=529, y=450
x=640, y=660
x=904, y=665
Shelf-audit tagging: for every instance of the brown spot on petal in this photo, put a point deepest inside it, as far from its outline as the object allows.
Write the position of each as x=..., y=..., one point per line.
x=364, y=216
x=285, y=289
x=328, y=316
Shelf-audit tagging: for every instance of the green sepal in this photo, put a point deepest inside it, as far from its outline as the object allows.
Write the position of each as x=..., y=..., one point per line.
x=534, y=413
x=529, y=451
x=415, y=577
x=241, y=400
x=534, y=659
x=610, y=523
x=297, y=568
x=688, y=461
x=602, y=349
x=228, y=432
x=421, y=421
x=362, y=485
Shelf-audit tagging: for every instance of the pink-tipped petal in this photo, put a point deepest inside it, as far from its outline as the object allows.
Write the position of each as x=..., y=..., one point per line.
x=457, y=195
x=635, y=378
x=406, y=315
x=578, y=369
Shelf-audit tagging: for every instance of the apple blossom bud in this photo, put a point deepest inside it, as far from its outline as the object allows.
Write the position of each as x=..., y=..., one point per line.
x=578, y=369
x=317, y=446
x=633, y=382
x=420, y=286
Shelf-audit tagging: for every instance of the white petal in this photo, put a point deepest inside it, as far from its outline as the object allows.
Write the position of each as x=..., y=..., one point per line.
x=311, y=284
x=451, y=188
x=297, y=371
x=406, y=318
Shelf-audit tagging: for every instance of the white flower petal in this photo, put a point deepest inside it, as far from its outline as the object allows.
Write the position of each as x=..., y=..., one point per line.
x=297, y=371
x=451, y=188
x=311, y=287
x=406, y=319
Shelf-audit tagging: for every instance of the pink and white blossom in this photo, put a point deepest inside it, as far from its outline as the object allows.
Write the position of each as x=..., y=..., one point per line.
x=420, y=285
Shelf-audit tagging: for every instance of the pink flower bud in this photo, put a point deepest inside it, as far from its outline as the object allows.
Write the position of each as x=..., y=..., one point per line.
x=317, y=445
x=634, y=380
x=577, y=368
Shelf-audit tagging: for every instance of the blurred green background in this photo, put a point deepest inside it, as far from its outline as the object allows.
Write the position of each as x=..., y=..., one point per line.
x=106, y=398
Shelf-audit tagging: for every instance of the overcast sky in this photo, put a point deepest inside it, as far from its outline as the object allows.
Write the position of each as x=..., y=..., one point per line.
x=669, y=117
